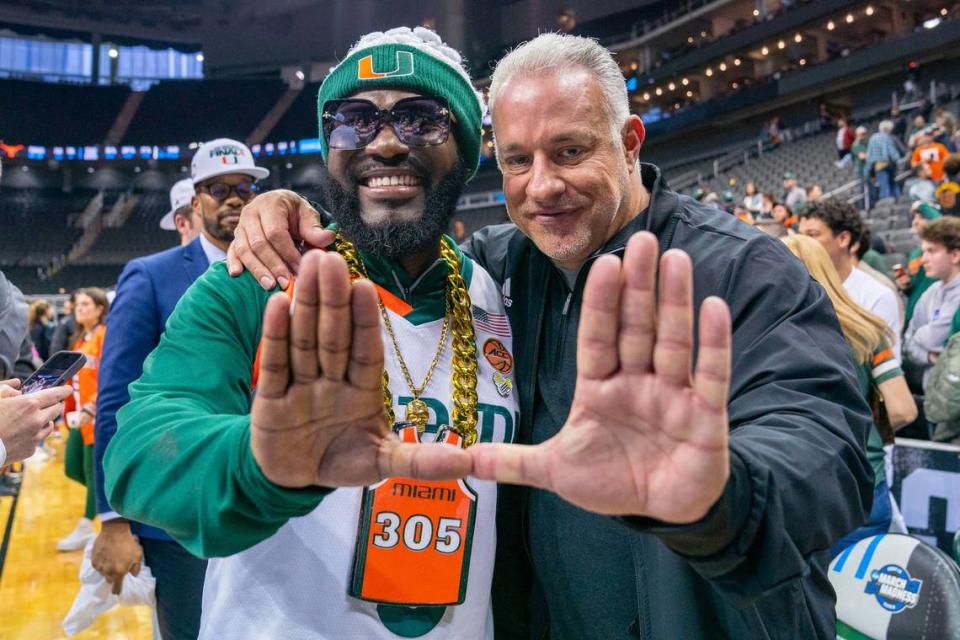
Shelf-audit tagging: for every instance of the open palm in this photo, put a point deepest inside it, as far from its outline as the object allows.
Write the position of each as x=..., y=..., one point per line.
x=644, y=436
x=318, y=417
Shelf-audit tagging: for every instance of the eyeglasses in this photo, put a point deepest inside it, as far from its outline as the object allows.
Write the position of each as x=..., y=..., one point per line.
x=354, y=123
x=220, y=191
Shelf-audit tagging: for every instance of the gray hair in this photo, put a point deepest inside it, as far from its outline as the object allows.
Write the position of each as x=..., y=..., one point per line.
x=885, y=126
x=558, y=53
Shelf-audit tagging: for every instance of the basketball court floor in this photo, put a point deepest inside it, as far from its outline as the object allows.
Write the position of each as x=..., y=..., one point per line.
x=37, y=583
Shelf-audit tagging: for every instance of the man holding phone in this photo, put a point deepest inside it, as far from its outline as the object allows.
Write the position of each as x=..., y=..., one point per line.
x=25, y=420
x=223, y=180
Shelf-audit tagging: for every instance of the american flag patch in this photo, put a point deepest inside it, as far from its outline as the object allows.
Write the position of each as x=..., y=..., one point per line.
x=494, y=323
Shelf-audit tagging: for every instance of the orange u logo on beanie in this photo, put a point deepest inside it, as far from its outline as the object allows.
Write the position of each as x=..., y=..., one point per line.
x=404, y=67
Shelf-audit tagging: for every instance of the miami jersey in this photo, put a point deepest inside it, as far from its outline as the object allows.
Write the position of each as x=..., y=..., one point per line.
x=294, y=584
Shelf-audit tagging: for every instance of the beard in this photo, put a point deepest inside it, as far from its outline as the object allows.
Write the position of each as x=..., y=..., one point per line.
x=217, y=227
x=397, y=239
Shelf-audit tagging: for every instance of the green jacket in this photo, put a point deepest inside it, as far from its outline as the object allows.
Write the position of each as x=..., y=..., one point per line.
x=919, y=282
x=194, y=439
x=876, y=261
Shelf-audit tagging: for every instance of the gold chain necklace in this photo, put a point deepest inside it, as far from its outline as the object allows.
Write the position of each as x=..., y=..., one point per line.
x=417, y=412
x=458, y=320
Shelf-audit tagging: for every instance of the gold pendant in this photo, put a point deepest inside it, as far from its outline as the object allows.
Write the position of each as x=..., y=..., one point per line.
x=418, y=414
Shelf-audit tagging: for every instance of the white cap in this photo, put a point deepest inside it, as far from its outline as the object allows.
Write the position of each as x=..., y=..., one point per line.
x=221, y=157
x=180, y=195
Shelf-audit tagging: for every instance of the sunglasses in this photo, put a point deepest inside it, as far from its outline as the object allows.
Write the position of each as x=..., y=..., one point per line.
x=354, y=123
x=220, y=191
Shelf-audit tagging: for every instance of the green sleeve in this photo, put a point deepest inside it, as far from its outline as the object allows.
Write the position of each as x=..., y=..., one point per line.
x=955, y=325
x=876, y=261
x=181, y=458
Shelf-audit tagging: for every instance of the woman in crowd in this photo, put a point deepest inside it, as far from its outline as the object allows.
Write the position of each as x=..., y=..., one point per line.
x=41, y=327
x=878, y=372
x=752, y=201
x=90, y=312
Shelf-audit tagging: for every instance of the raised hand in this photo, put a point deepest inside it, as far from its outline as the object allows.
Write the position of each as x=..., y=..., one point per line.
x=263, y=242
x=318, y=417
x=644, y=436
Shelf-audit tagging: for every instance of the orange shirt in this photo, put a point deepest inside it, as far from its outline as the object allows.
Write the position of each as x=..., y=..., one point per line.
x=933, y=154
x=85, y=382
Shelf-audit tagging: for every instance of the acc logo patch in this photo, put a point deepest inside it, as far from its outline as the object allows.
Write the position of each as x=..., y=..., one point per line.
x=498, y=356
x=893, y=588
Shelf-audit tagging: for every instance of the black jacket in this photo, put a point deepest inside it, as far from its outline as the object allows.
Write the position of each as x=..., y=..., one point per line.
x=756, y=565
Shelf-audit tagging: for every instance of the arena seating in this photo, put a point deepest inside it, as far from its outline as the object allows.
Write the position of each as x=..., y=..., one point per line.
x=37, y=225
x=58, y=114
x=186, y=111
x=300, y=119
x=141, y=234
x=42, y=221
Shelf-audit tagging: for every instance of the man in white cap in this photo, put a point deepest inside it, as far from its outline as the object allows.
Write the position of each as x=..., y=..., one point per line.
x=222, y=180
x=180, y=217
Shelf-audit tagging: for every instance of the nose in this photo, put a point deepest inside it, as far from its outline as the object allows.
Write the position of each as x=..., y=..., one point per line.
x=233, y=200
x=387, y=145
x=544, y=184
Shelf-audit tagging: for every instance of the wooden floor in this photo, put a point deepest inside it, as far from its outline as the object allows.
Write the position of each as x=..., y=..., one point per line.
x=39, y=583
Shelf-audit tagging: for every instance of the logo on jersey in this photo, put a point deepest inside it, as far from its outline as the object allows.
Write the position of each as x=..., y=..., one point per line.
x=893, y=588
x=503, y=384
x=402, y=67
x=497, y=355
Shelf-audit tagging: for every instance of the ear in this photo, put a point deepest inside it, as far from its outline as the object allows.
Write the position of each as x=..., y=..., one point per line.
x=197, y=205
x=843, y=238
x=633, y=136
x=182, y=223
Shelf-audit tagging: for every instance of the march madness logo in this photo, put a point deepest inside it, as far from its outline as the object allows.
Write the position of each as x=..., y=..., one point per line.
x=228, y=154
x=403, y=66
x=893, y=588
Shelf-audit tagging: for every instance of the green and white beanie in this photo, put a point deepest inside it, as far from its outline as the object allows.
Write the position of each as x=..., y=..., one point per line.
x=411, y=60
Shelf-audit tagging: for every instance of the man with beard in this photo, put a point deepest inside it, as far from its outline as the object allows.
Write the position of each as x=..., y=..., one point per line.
x=250, y=485
x=224, y=175
x=715, y=470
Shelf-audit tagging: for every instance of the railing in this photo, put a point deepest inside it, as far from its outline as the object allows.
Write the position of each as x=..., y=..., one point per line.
x=92, y=222
x=740, y=155
x=640, y=29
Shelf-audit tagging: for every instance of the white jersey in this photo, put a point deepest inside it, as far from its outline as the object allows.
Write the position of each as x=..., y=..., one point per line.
x=294, y=584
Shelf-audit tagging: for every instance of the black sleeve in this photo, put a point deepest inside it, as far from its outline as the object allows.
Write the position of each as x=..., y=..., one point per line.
x=490, y=247
x=799, y=477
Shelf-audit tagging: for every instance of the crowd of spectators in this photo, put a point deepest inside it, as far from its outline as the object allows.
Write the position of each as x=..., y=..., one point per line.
x=911, y=156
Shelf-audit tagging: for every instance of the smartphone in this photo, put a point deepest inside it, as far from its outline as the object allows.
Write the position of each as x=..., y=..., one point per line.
x=57, y=370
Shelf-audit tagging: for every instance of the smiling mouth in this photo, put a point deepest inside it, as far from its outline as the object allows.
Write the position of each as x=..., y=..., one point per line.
x=401, y=180
x=557, y=214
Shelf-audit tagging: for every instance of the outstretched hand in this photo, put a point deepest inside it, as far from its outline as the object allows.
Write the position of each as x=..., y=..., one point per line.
x=264, y=240
x=318, y=417
x=645, y=435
